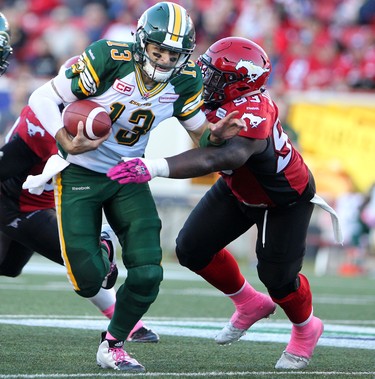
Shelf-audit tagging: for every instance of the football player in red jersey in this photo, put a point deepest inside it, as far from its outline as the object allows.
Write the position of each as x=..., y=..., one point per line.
x=264, y=182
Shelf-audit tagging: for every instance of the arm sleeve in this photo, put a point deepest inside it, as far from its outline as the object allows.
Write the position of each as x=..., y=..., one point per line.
x=194, y=122
x=45, y=102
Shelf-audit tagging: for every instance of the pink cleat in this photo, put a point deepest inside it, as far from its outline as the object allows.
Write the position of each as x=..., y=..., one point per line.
x=260, y=306
x=303, y=340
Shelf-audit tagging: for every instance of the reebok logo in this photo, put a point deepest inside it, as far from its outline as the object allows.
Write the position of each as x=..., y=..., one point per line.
x=83, y=188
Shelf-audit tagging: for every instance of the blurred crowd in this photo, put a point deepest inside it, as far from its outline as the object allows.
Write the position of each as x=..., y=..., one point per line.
x=328, y=45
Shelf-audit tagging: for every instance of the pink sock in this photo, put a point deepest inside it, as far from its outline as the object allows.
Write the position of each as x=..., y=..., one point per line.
x=305, y=337
x=109, y=311
x=109, y=336
x=251, y=306
x=137, y=326
x=243, y=296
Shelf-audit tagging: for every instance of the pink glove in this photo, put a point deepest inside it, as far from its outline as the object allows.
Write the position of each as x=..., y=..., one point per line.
x=131, y=171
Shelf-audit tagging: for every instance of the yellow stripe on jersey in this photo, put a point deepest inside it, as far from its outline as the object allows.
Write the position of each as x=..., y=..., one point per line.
x=58, y=195
x=192, y=104
x=177, y=22
x=142, y=88
x=88, y=79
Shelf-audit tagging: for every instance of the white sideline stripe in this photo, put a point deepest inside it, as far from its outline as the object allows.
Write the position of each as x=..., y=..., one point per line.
x=191, y=374
x=355, y=337
x=178, y=319
x=10, y=284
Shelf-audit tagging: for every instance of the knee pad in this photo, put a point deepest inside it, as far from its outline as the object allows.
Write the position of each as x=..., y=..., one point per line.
x=145, y=280
x=88, y=276
x=282, y=292
x=182, y=257
x=280, y=279
x=190, y=260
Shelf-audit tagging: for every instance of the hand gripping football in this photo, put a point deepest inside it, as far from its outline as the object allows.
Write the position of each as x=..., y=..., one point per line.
x=94, y=117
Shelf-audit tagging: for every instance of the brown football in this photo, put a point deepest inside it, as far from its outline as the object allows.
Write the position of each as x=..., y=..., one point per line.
x=95, y=118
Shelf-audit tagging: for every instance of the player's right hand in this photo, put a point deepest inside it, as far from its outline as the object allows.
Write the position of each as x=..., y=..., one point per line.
x=227, y=128
x=80, y=143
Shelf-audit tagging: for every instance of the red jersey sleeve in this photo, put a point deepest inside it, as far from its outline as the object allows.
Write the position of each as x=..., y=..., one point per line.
x=35, y=136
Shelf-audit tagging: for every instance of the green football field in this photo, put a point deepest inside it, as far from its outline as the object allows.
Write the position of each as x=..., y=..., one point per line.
x=47, y=331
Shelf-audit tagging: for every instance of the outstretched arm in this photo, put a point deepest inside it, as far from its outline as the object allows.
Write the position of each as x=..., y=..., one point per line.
x=190, y=164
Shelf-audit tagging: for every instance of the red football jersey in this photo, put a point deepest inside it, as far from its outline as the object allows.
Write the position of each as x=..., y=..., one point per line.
x=278, y=176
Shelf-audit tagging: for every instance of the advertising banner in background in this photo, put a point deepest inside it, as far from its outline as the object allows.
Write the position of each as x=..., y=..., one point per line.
x=339, y=141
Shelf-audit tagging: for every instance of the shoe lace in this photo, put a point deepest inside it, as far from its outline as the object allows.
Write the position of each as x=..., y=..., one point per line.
x=119, y=354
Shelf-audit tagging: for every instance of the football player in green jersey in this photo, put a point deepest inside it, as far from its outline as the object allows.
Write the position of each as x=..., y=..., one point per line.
x=140, y=84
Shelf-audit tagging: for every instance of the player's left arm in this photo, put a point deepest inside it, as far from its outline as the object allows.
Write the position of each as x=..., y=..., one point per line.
x=190, y=164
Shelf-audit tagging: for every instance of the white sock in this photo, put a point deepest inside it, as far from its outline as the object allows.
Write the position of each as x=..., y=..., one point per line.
x=104, y=298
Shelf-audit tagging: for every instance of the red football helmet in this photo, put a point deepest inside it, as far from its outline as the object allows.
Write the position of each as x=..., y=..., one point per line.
x=231, y=68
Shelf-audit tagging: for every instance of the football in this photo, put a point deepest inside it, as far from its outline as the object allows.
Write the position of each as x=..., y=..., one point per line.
x=95, y=118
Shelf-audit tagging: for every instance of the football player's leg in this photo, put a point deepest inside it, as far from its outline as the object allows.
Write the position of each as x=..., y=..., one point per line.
x=38, y=231
x=213, y=223
x=217, y=220
x=135, y=220
x=13, y=256
x=25, y=233
x=79, y=214
x=280, y=260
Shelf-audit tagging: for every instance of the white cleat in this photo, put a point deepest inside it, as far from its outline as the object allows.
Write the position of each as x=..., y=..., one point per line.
x=302, y=342
x=111, y=355
x=289, y=361
x=229, y=334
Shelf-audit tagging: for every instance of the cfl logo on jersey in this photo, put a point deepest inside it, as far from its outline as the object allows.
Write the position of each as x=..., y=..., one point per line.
x=253, y=71
x=253, y=119
x=122, y=87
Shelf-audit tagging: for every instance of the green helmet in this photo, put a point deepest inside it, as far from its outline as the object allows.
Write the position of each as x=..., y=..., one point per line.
x=168, y=25
x=5, y=48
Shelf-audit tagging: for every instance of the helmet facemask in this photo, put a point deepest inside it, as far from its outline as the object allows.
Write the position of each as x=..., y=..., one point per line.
x=215, y=82
x=5, y=52
x=156, y=71
x=5, y=48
